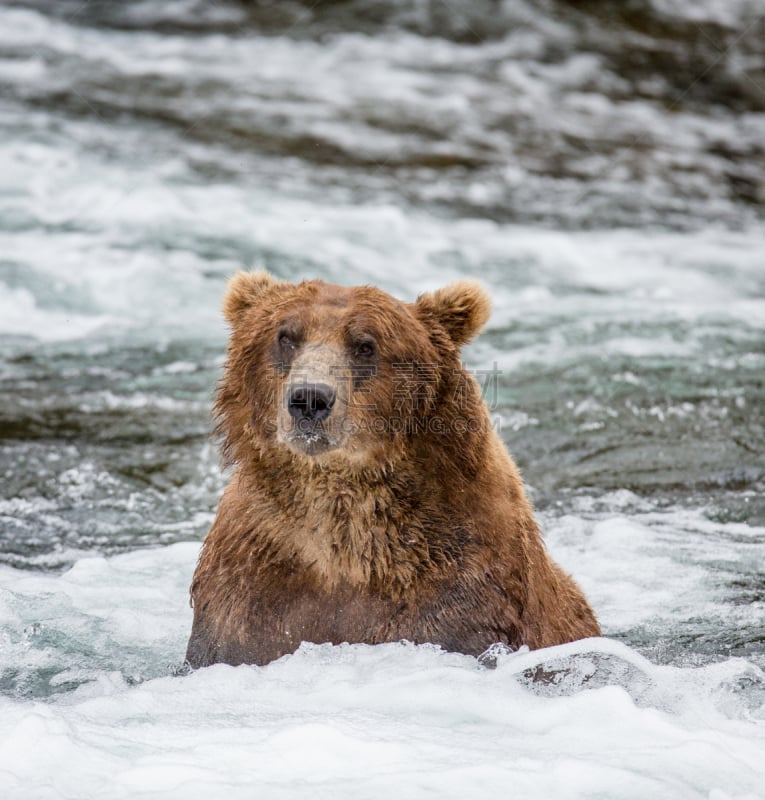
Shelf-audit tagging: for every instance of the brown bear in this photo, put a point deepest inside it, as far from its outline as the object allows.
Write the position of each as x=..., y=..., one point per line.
x=372, y=500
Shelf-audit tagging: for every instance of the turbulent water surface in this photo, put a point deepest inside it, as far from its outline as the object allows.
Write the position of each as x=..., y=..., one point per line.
x=599, y=166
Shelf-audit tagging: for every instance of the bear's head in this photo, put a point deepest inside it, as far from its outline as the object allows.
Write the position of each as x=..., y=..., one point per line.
x=327, y=372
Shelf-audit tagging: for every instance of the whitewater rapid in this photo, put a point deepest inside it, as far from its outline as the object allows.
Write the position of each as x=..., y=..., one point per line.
x=598, y=167
x=352, y=721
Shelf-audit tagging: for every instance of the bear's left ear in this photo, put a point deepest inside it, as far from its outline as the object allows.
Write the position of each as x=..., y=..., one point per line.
x=244, y=290
x=461, y=308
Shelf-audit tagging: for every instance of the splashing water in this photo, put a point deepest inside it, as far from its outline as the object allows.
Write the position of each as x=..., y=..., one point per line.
x=598, y=166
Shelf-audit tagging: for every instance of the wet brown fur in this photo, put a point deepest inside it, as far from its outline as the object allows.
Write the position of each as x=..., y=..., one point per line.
x=399, y=534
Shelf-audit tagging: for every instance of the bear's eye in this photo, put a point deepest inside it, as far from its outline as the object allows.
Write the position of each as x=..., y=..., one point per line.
x=286, y=341
x=365, y=349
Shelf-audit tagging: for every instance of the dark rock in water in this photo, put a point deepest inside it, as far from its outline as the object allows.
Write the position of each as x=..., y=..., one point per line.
x=491, y=655
x=571, y=674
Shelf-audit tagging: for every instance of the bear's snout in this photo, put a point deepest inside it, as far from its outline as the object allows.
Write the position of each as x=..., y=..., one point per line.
x=312, y=417
x=310, y=402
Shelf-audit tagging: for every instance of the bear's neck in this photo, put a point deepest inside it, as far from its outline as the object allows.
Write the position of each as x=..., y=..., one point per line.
x=380, y=527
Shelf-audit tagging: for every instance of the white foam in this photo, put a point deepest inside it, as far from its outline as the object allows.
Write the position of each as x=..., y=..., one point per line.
x=606, y=278
x=117, y=248
x=103, y=245
x=105, y=399
x=20, y=315
x=600, y=720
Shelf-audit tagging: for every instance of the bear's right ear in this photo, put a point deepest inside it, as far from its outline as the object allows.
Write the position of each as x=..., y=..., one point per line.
x=244, y=290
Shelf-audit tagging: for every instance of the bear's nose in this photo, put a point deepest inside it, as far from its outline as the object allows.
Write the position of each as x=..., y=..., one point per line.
x=310, y=401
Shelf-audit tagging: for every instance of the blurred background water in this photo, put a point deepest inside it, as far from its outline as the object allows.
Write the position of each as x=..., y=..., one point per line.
x=599, y=165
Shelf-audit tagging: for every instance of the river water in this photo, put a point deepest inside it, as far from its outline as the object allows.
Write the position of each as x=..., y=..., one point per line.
x=599, y=166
